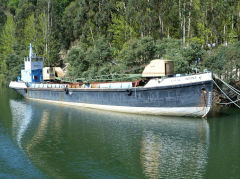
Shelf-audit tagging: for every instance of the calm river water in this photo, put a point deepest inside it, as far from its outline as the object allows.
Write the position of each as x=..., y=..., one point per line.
x=40, y=140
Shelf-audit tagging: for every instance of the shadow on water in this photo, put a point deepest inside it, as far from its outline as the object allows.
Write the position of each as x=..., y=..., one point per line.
x=13, y=161
x=224, y=149
x=73, y=142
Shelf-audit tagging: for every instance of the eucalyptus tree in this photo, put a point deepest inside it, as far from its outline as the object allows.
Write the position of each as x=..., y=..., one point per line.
x=3, y=18
x=6, y=44
x=24, y=10
x=120, y=27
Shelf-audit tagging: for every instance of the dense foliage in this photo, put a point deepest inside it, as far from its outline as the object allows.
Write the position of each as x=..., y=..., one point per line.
x=121, y=36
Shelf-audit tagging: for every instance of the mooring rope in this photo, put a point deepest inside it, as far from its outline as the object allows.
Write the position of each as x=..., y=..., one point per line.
x=228, y=85
x=233, y=102
x=232, y=88
x=229, y=102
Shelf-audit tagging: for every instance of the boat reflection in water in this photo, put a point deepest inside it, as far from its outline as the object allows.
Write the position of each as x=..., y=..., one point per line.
x=22, y=116
x=180, y=149
x=73, y=142
x=14, y=163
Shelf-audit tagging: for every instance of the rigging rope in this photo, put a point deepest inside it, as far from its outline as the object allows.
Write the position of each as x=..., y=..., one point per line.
x=109, y=77
x=136, y=68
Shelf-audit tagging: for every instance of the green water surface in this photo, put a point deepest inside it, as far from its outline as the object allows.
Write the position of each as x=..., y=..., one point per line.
x=41, y=140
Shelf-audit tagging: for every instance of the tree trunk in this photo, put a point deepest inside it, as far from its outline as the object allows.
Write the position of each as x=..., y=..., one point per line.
x=168, y=33
x=236, y=72
x=47, y=34
x=180, y=14
x=92, y=35
x=184, y=25
x=224, y=35
x=189, y=23
x=160, y=24
x=204, y=22
x=162, y=27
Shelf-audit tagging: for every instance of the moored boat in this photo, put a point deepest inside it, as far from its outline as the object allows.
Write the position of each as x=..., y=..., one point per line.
x=163, y=93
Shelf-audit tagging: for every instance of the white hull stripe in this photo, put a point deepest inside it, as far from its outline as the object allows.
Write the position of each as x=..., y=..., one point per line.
x=166, y=111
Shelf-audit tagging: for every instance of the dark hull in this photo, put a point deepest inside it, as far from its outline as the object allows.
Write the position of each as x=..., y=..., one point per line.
x=177, y=96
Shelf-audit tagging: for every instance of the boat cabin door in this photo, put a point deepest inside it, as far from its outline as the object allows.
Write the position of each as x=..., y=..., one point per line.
x=167, y=69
